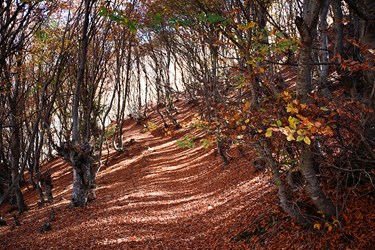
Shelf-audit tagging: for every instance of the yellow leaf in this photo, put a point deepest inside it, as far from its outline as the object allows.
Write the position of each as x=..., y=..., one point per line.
x=300, y=132
x=252, y=63
x=317, y=226
x=269, y=132
x=287, y=130
x=292, y=122
x=336, y=223
x=247, y=121
x=251, y=25
x=329, y=227
x=290, y=137
x=307, y=140
x=291, y=109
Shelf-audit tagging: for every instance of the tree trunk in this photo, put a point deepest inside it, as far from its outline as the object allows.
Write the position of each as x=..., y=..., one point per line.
x=15, y=157
x=81, y=72
x=338, y=26
x=83, y=164
x=82, y=161
x=369, y=39
x=307, y=29
x=79, y=195
x=282, y=191
x=313, y=189
x=323, y=52
x=139, y=97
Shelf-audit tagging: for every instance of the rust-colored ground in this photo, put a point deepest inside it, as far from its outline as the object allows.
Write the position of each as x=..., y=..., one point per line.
x=157, y=195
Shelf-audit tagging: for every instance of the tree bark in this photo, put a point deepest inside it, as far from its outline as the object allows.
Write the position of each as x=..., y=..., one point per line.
x=323, y=52
x=80, y=157
x=338, y=26
x=81, y=72
x=84, y=172
x=307, y=28
x=369, y=39
x=282, y=191
x=15, y=155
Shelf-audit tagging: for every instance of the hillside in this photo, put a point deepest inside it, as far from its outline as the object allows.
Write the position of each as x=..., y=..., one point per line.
x=157, y=195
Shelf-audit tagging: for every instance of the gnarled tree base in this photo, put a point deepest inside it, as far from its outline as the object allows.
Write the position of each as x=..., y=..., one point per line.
x=80, y=157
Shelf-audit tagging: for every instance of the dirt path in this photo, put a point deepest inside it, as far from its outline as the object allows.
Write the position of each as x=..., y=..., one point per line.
x=155, y=195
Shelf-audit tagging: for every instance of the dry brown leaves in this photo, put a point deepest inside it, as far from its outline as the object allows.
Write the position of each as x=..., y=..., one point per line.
x=158, y=196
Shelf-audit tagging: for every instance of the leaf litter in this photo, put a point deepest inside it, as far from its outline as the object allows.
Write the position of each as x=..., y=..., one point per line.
x=157, y=195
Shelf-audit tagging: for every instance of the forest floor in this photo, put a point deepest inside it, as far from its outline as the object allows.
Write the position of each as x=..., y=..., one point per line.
x=157, y=195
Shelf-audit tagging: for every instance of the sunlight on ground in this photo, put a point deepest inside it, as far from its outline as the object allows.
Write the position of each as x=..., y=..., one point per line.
x=129, y=239
x=153, y=190
x=164, y=211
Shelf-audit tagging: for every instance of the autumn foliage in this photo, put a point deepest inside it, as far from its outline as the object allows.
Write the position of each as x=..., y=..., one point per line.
x=281, y=91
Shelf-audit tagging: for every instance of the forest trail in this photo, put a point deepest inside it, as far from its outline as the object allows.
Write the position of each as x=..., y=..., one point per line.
x=155, y=195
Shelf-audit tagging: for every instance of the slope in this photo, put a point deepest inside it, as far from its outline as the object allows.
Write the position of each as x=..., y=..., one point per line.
x=157, y=195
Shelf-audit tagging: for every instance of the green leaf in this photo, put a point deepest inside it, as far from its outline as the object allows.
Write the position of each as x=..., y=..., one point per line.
x=157, y=19
x=300, y=138
x=279, y=123
x=278, y=183
x=41, y=35
x=132, y=24
x=207, y=143
x=103, y=11
x=116, y=17
x=279, y=34
x=263, y=110
x=214, y=18
x=294, y=48
x=187, y=142
x=186, y=23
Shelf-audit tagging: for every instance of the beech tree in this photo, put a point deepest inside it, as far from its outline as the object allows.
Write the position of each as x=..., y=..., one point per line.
x=78, y=152
x=263, y=45
x=307, y=26
x=17, y=26
x=277, y=76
